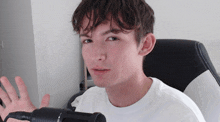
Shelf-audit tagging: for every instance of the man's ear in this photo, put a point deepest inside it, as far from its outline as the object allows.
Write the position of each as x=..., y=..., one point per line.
x=147, y=44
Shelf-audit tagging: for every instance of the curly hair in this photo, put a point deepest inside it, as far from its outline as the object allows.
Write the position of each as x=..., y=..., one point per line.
x=127, y=14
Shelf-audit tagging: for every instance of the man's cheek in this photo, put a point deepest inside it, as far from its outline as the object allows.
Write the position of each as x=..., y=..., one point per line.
x=86, y=59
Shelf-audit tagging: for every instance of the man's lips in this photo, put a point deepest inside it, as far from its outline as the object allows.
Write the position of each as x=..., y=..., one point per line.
x=100, y=71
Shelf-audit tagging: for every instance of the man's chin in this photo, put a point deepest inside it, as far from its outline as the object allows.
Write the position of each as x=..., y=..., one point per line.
x=101, y=84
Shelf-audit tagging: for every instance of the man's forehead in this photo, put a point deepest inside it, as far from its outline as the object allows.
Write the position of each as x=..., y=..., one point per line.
x=87, y=26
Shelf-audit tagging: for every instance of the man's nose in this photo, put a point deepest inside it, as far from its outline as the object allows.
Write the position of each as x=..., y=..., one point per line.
x=101, y=57
x=100, y=52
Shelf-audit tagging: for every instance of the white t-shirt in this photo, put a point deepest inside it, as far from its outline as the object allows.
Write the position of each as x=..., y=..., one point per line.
x=161, y=104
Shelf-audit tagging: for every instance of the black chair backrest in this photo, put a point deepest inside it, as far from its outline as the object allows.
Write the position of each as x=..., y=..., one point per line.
x=177, y=62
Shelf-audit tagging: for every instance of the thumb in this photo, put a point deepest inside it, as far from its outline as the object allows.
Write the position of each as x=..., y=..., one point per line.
x=45, y=101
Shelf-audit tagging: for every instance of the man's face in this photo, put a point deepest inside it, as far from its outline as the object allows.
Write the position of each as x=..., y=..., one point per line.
x=110, y=55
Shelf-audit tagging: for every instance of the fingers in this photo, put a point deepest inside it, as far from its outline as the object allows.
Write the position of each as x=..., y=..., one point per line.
x=11, y=94
x=45, y=101
x=9, y=88
x=22, y=88
x=1, y=109
x=4, y=97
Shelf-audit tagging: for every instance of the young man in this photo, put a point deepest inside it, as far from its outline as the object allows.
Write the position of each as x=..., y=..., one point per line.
x=116, y=36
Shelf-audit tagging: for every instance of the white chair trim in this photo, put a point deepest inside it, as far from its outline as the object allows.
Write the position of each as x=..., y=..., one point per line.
x=205, y=92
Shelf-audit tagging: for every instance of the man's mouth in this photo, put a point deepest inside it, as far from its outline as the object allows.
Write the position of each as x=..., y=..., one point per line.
x=100, y=71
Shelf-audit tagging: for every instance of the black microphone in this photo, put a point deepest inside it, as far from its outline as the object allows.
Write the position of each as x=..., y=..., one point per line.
x=57, y=115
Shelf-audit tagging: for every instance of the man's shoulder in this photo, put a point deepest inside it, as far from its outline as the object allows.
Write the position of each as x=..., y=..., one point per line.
x=174, y=100
x=162, y=90
x=168, y=93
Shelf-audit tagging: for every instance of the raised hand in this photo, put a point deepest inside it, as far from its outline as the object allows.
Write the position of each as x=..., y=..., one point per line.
x=13, y=102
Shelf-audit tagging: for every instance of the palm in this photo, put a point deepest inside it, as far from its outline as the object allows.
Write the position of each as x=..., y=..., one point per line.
x=17, y=106
x=13, y=103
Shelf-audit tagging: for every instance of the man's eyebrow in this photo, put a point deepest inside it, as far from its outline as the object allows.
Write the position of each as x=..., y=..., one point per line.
x=115, y=31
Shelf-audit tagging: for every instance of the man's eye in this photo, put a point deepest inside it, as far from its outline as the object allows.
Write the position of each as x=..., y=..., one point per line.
x=113, y=38
x=87, y=41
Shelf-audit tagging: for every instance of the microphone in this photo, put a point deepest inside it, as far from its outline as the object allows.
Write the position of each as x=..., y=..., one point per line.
x=56, y=115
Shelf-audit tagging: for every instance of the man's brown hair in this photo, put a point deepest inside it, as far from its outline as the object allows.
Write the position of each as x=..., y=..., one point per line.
x=127, y=14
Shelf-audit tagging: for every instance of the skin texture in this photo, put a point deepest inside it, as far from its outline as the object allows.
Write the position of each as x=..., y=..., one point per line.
x=13, y=102
x=119, y=57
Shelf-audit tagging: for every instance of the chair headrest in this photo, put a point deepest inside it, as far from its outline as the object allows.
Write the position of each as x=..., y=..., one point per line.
x=177, y=62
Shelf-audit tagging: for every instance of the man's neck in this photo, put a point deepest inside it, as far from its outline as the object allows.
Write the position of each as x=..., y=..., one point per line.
x=129, y=92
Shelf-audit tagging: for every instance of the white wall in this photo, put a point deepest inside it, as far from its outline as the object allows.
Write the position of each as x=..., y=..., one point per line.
x=58, y=50
x=41, y=47
x=190, y=19
x=18, y=54
x=1, y=57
